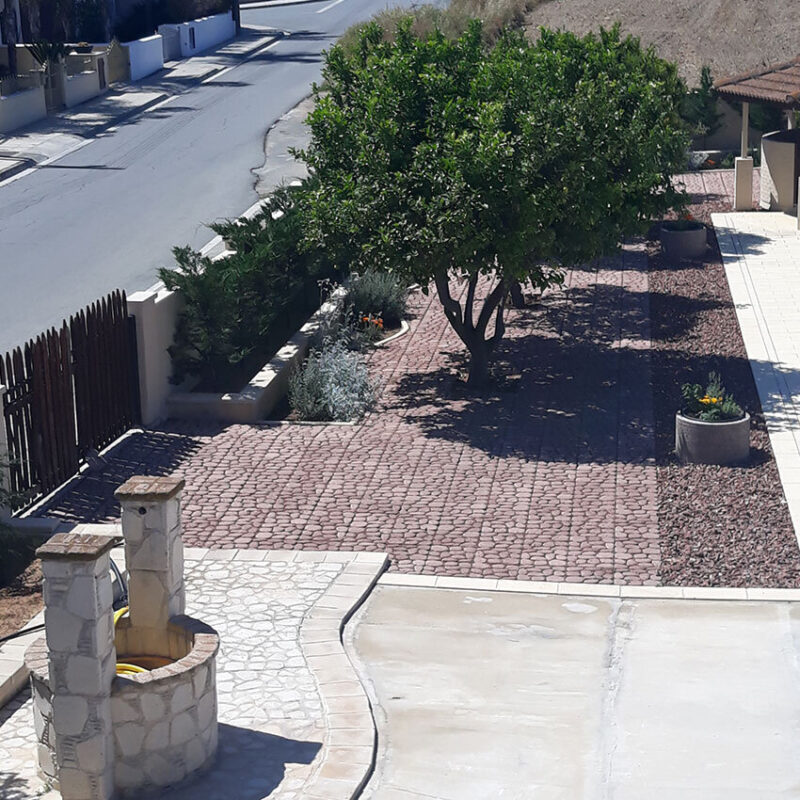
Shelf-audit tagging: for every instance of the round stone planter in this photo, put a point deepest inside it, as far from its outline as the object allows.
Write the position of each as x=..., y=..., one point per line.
x=689, y=243
x=723, y=443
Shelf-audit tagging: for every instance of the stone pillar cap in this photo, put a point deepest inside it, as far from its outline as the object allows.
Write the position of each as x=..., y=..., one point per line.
x=146, y=488
x=76, y=546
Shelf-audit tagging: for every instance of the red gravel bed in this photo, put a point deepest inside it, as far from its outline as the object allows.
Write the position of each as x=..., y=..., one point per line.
x=719, y=526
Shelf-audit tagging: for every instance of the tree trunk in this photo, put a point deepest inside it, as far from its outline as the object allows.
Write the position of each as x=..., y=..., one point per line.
x=8, y=27
x=472, y=333
x=479, y=364
x=517, y=297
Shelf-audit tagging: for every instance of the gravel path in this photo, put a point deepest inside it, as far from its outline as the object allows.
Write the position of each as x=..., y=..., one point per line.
x=719, y=525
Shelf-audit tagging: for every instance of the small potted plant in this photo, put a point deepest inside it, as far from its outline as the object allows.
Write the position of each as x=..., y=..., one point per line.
x=684, y=237
x=711, y=428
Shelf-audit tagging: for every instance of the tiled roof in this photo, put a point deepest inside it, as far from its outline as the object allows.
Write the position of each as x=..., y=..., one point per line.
x=778, y=84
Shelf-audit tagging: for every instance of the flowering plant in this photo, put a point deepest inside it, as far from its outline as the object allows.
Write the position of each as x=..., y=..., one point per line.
x=371, y=326
x=710, y=404
x=686, y=222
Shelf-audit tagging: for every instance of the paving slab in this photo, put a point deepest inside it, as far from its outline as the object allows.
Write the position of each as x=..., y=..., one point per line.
x=481, y=694
x=285, y=712
x=761, y=252
x=549, y=475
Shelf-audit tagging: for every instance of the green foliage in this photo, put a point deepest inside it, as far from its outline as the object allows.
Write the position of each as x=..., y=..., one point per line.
x=46, y=53
x=437, y=157
x=699, y=107
x=90, y=20
x=710, y=404
x=146, y=16
x=378, y=294
x=16, y=551
x=244, y=306
x=332, y=385
x=766, y=118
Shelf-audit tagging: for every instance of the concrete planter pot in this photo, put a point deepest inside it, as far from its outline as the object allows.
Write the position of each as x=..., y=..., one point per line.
x=723, y=443
x=688, y=243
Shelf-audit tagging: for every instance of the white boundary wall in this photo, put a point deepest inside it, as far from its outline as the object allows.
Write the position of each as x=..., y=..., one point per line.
x=208, y=32
x=156, y=312
x=80, y=88
x=145, y=56
x=22, y=108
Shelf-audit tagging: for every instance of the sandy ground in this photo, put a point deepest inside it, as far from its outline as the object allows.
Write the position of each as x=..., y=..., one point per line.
x=732, y=36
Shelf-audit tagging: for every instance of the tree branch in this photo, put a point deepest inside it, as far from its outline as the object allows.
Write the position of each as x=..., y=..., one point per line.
x=494, y=298
x=452, y=308
x=468, y=316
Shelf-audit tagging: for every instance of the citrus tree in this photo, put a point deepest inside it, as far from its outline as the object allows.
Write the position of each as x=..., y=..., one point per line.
x=473, y=167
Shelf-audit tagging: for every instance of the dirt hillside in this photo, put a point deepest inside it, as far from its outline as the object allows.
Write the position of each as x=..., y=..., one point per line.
x=732, y=36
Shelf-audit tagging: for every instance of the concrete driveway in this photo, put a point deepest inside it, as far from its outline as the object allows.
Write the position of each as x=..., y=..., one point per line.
x=481, y=695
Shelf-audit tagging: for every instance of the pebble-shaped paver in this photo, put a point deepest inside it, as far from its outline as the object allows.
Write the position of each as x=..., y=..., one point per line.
x=549, y=475
x=272, y=725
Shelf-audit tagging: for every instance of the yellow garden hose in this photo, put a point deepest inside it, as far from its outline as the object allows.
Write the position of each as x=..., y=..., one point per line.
x=122, y=667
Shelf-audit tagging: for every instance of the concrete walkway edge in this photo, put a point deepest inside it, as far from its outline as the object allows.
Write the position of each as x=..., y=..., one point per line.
x=589, y=589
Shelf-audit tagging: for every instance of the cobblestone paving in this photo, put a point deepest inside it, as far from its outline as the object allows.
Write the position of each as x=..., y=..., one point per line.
x=713, y=188
x=271, y=719
x=550, y=475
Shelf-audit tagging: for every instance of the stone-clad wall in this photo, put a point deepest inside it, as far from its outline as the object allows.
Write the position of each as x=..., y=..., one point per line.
x=165, y=720
x=36, y=662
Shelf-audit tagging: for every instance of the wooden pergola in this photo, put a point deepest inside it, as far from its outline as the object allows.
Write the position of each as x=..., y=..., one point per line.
x=775, y=85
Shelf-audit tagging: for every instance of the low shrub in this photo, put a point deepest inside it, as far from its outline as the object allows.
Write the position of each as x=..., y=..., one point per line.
x=333, y=385
x=710, y=404
x=16, y=551
x=239, y=310
x=376, y=296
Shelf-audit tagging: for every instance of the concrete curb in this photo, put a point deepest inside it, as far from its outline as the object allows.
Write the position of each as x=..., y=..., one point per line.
x=591, y=589
x=10, y=172
x=349, y=750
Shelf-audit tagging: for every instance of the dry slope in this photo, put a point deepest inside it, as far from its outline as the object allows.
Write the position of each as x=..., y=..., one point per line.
x=732, y=36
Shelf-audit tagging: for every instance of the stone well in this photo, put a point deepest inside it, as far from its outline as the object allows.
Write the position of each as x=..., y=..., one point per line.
x=103, y=735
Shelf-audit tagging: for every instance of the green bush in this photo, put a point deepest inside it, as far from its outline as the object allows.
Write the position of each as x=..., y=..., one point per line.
x=239, y=310
x=333, y=385
x=380, y=295
x=16, y=551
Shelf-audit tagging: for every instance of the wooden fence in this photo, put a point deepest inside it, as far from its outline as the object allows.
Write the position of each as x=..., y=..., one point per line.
x=69, y=392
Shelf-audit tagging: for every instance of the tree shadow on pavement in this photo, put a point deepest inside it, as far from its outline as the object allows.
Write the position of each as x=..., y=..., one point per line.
x=250, y=765
x=90, y=498
x=571, y=386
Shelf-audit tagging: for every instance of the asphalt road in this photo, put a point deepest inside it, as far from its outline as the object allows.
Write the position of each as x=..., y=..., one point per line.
x=108, y=215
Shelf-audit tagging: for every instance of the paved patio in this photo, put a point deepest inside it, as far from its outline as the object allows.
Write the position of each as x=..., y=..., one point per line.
x=293, y=719
x=550, y=476
x=486, y=694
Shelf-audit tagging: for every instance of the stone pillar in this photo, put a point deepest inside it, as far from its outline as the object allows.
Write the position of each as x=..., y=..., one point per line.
x=151, y=525
x=743, y=184
x=79, y=629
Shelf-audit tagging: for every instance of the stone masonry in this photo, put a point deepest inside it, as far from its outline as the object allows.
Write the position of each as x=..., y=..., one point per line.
x=100, y=734
x=82, y=663
x=151, y=525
